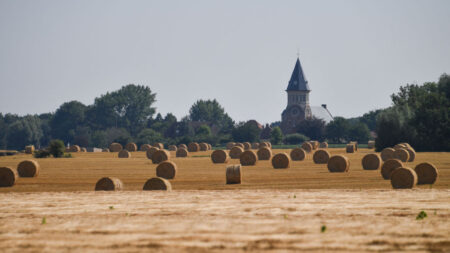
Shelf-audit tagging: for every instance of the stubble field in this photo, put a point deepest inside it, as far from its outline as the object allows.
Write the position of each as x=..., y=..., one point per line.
x=272, y=210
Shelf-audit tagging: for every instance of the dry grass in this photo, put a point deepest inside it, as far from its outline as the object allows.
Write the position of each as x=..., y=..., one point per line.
x=199, y=173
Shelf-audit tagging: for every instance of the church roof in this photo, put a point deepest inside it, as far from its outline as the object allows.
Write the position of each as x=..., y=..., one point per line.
x=298, y=81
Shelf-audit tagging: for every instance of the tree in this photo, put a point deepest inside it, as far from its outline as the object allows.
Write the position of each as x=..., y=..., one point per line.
x=23, y=132
x=337, y=130
x=276, y=135
x=359, y=132
x=66, y=119
x=313, y=128
x=211, y=113
x=148, y=136
x=244, y=132
x=393, y=127
x=119, y=135
x=420, y=115
x=129, y=108
x=56, y=148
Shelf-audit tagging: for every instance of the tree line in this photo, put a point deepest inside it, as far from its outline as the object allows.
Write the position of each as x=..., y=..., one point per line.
x=419, y=115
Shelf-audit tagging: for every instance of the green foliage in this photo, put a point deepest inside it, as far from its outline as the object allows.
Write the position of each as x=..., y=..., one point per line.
x=24, y=131
x=41, y=154
x=211, y=113
x=276, y=136
x=323, y=229
x=423, y=117
x=149, y=136
x=111, y=207
x=99, y=139
x=294, y=139
x=56, y=148
x=393, y=127
x=43, y=221
x=313, y=128
x=119, y=135
x=337, y=130
x=128, y=108
x=422, y=215
x=66, y=119
x=246, y=132
x=359, y=132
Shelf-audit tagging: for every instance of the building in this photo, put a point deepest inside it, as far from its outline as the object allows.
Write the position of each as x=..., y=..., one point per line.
x=298, y=108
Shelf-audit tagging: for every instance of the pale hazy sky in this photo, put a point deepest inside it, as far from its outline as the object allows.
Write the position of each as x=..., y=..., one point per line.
x=355, y=54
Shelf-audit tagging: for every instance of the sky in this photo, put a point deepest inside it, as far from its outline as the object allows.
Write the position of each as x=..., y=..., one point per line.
x=354, y=54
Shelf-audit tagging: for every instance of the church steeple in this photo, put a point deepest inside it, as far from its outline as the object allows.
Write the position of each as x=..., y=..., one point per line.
x=298, y=81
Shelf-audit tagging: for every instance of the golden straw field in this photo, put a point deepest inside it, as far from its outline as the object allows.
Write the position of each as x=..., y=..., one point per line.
x=272, y=210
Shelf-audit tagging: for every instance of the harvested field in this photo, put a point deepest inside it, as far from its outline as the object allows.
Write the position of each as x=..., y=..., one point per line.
x=217, y=221
x=199, y=173
x=271, y=210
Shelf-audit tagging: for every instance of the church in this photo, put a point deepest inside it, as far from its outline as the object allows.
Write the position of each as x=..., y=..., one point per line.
x=298, y=108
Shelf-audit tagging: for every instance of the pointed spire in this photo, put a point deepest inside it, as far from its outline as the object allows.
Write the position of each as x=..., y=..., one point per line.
x=298, y=81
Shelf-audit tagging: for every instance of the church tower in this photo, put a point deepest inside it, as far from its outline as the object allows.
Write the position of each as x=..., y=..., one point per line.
x=298, y=108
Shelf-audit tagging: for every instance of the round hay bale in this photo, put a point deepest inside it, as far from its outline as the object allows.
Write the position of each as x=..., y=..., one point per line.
x=28, y=168
x=29, y=149
x=323, y=145
x=269, y=144
x=355, y=143
x=371, y=144
x=298, y=154
x=203, y=146
x=401, y=154
x=264, y=153
x=387, y=154
x=157, y=184
x=166, y=169
x=338, y=163
x=84, y=150
x=183, y=146
x=255, y=145
x=248, y=158
x=307, y=147
x=389, y=166
x=124, y=154
x=193, y=147
x=74, y=149
x=115, y=147
x=173, y=148
x=132, y=147
x=210, y=146
x=160, y=156
x=412, y=154
x=427, y=173
x=230, y=145
x=145, y=147
x=321, y=156
x=158, y=145
x=233, y=174
x=371, y=162
x=247, y=145
x=235, y=152
x=264, y=145
x=8, y=177
x=403, y=178
x=182, y=152
x=151, y=151
x=238, y=144
x=350, y=148
x=105, y=150
x=400, y=145
x=281, y=161
x=314, y=144
x=219, y=156
x=109, y=184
